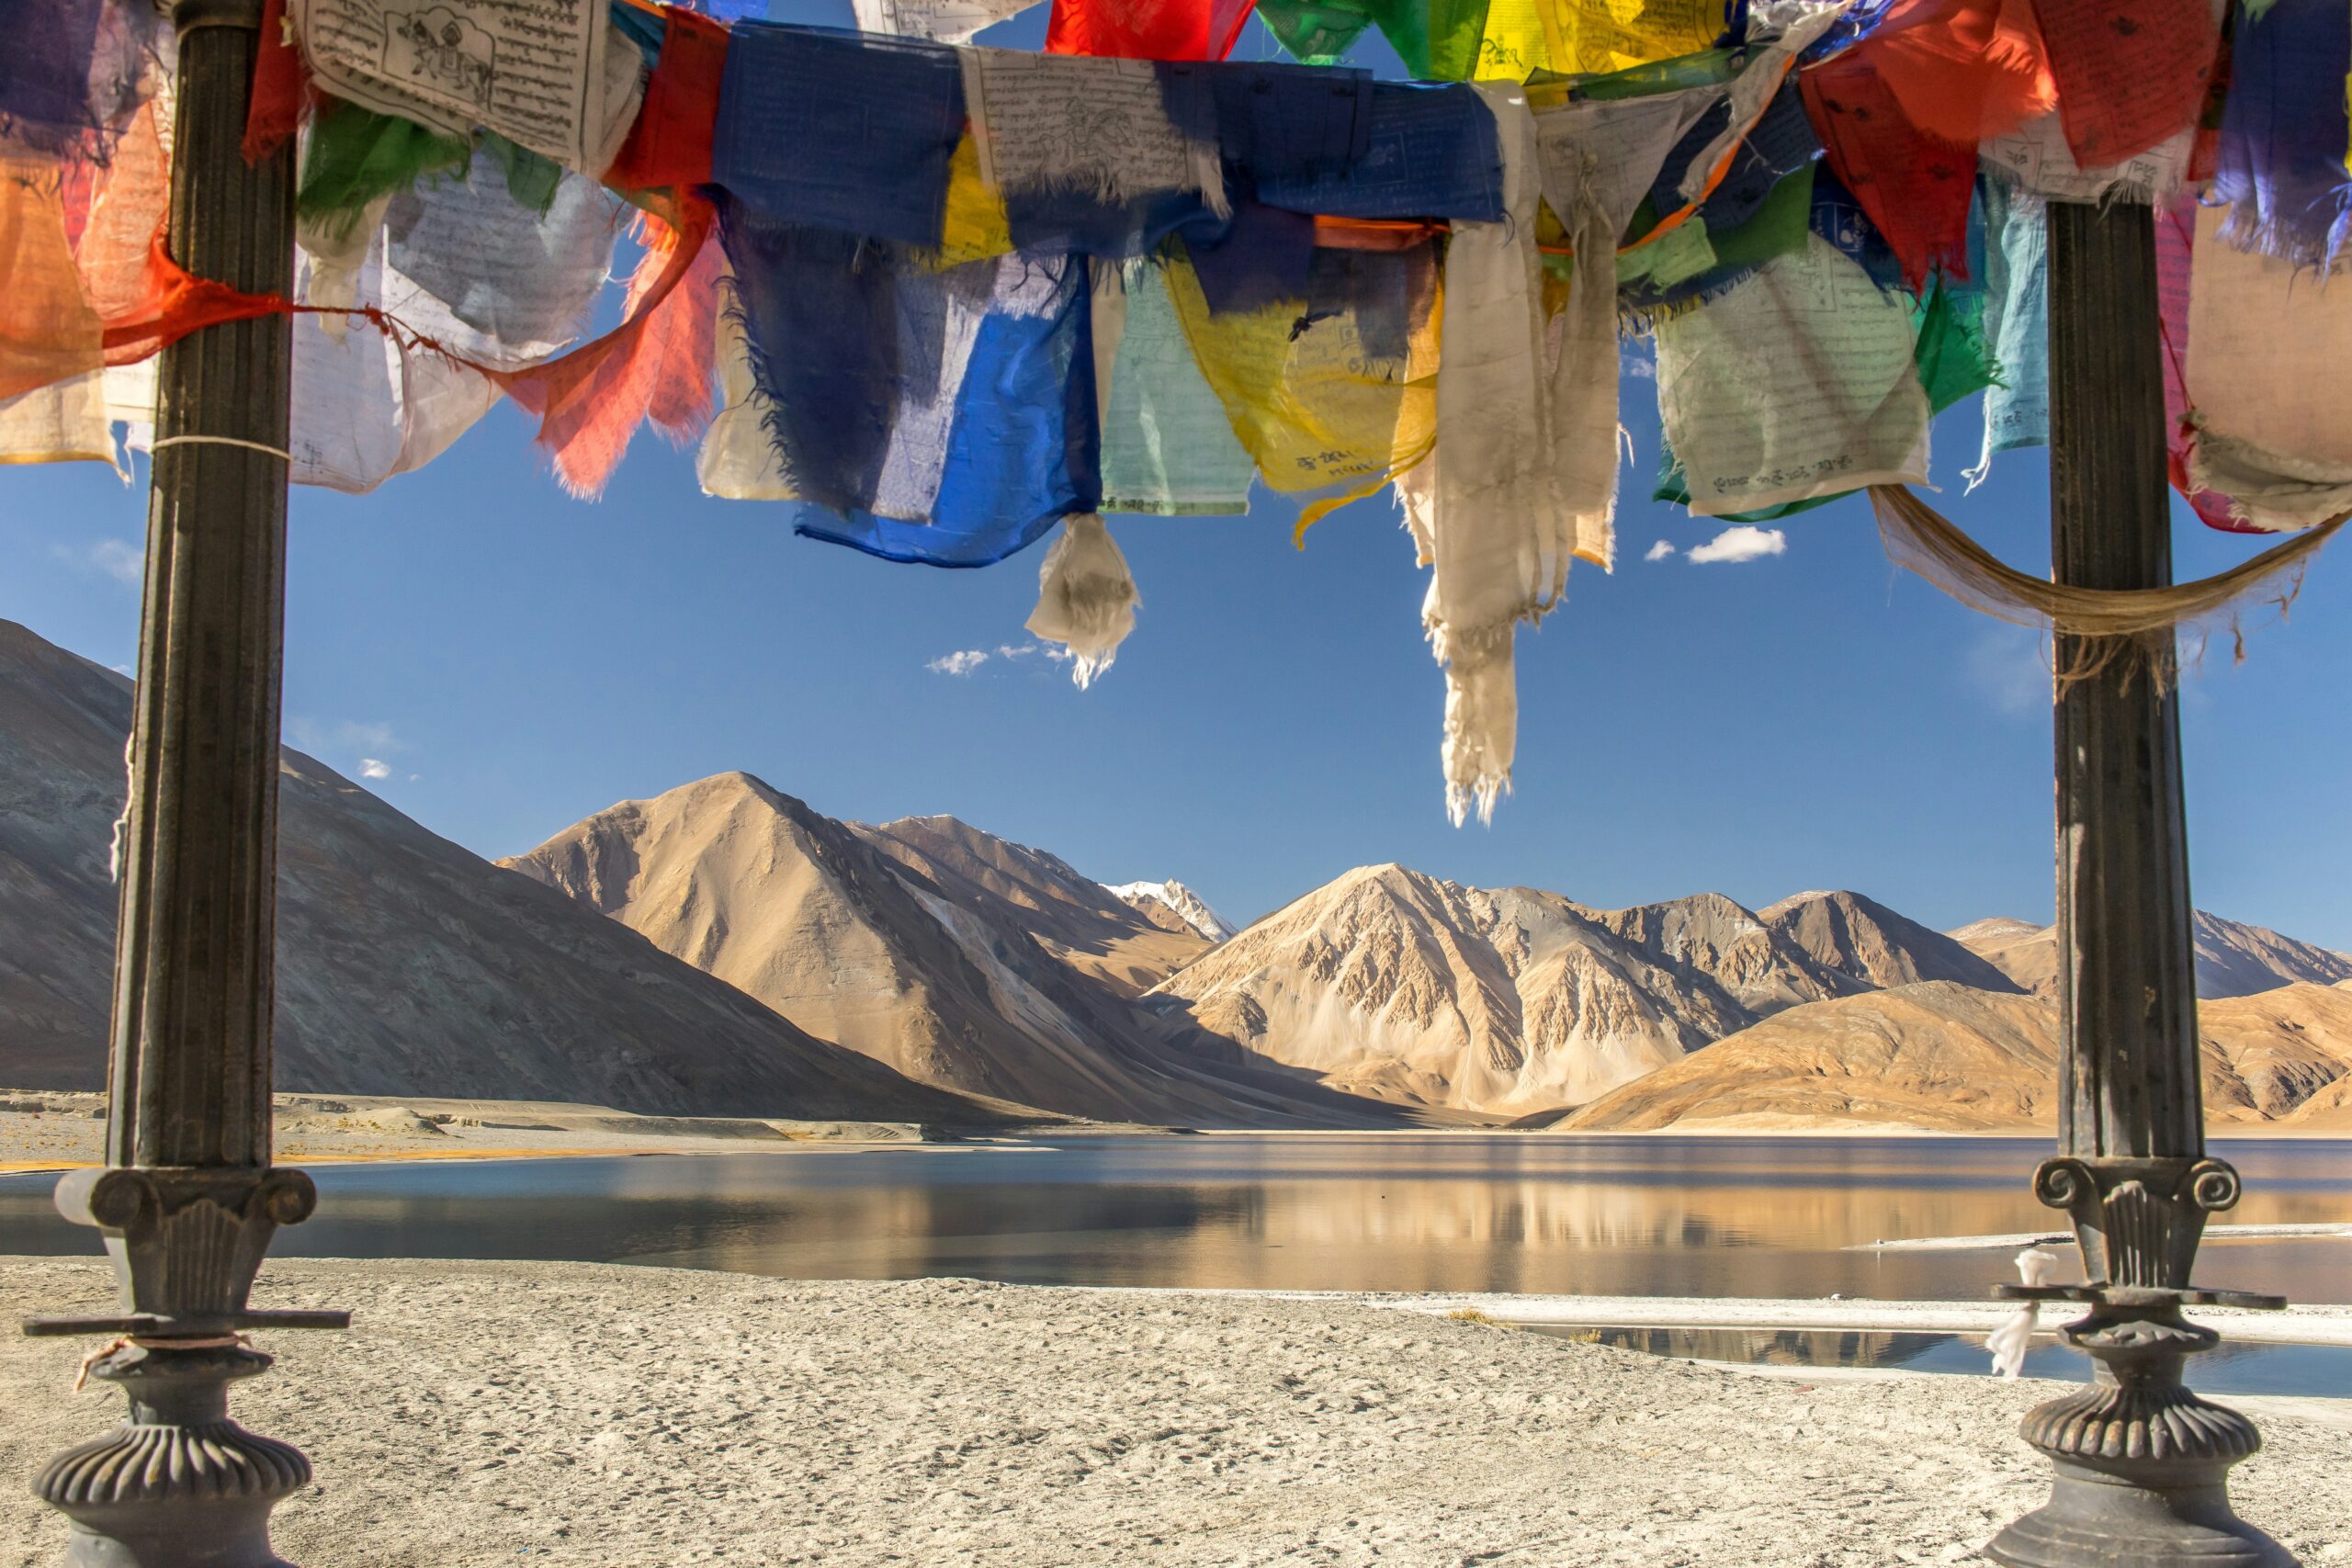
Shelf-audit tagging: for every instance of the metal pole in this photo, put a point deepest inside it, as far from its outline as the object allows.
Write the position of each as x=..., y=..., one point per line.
x=188, y=1200
x=2141, y=1462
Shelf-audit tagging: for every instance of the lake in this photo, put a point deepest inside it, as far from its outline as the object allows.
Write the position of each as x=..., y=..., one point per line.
x=1524, y=1212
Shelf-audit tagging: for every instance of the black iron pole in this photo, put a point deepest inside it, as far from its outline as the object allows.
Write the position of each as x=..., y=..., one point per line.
x=188, y=1199
x=2141, y=1462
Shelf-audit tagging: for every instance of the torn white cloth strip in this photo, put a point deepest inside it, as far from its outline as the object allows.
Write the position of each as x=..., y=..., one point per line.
x=1796, y=382
x=2009, y=1342
x=1486, y=507
x=1086, y=597
x=940, y=21
x=1059, y=124
x=2263, y=336
x=64, y=422
x=559, y=79
x=1599, y=159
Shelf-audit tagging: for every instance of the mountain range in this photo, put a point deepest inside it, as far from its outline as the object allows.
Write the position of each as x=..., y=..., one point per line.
x=726, y=949
x=407, y=965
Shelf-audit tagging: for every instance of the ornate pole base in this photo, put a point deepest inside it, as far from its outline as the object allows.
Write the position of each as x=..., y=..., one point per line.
x=178, y=1484
x=2142, y=1462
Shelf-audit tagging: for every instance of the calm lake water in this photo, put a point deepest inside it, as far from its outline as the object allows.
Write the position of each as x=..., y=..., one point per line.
x=1401, y=1211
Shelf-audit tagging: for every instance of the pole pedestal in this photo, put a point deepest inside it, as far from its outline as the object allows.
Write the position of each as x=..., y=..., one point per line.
x=188, y=1200
x=2139, y=1463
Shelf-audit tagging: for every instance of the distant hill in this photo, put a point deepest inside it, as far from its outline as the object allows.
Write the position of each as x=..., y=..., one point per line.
x=1172, y=901
x=955, y=957
x=406, y=964
x=1389, y=983
x=1866, y=942
x=2232, y=959
x=1952, y=1058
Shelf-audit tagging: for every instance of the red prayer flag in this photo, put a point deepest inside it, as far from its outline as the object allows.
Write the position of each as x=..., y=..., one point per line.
x=2129, y=74
x=669, y=143
x=281, y=86
x=1147, y=29
x=1914, y=185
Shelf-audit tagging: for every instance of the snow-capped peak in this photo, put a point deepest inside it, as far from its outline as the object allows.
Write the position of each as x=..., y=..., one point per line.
x=1179, y=901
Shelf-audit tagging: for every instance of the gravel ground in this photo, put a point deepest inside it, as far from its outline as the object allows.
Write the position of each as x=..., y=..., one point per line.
x=481, y=1413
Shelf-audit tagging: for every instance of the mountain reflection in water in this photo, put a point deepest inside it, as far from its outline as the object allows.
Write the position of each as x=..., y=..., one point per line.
x=2235, y=1367
x=1523, y=1212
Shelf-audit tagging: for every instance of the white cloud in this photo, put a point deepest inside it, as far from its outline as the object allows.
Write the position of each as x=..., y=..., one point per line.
x=344, y=735
x=1640, y=367
x=370, y=767
x=121, y=560
x=961, y=662
x=1658, y=551
x=2006, y=668
x=1745, y=542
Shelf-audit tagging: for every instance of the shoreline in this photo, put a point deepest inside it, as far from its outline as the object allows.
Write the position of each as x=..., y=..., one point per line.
x=592, y=1415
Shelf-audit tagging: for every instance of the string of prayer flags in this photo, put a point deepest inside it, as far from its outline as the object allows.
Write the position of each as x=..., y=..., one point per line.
x=839, y=130
x=2281, y=165
x=1146, y=29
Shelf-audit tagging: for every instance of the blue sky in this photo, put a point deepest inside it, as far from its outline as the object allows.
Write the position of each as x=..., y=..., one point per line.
x=511, y=660
x=517, y=659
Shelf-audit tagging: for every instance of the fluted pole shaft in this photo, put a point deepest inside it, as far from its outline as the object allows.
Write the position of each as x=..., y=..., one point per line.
x=194, y=951
x=2127, y=990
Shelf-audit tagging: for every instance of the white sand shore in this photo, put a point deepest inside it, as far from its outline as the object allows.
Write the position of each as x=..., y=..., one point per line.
x=633, y=1417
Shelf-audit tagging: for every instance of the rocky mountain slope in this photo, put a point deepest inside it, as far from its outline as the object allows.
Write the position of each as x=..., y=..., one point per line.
x=1500, y=1001
x=407, y=965
x=957, y=958
x=1870, y=945
x=1955, y=1058
x=2233, y=959
x=1166, y=902
x=1099, y=932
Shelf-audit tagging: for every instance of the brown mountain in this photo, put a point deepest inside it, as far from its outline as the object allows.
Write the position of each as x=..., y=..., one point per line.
x=1934, y=1056
x=2233, y=959
x=958, y=959
x=1867, y=942
x=2293, y=1046
x=407, y=965
x=1392, y=984
x=1079, y=921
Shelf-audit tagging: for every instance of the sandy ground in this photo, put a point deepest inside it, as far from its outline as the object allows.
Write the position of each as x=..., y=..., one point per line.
x=623, y=1417
x=41, y=1131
